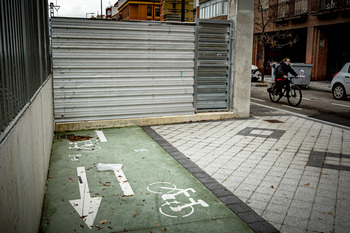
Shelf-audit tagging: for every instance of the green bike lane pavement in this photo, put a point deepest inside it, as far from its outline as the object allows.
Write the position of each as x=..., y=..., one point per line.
x=144, y=189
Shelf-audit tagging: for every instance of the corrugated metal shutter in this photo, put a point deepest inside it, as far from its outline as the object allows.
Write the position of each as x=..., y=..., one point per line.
x=108, y=70
x=213, y=53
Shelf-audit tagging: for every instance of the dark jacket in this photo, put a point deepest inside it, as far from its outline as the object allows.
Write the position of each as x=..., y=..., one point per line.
x=284, y=69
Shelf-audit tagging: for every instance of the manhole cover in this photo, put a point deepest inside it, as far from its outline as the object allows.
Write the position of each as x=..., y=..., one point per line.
x=274, y=121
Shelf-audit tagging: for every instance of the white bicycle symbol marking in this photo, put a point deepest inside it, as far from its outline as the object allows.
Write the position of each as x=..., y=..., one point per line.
x=85, y=146
x=167, y=190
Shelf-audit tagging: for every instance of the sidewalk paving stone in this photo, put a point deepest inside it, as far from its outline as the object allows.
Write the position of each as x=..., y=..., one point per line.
x=292, y=178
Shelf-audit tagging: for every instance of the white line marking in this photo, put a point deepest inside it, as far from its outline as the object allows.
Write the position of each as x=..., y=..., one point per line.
x=306, y=98
x=101, y=136
x=292, y=107
x=342, y=105
x=123, y=182
x=86, y=206
x=258, y=100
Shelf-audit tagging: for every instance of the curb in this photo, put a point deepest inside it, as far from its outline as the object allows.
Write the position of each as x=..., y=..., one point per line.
x=265, y=84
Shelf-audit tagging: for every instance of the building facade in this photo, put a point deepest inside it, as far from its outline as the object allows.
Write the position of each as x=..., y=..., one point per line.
x=140, y=10
x=320, y=27
x=172, y=10
x=213, y=9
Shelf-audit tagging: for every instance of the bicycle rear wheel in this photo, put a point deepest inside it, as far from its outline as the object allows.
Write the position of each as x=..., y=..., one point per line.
x=274, y=97
x=295, y=96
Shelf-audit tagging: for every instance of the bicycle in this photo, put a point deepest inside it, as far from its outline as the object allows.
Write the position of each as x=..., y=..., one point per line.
x=294, y=95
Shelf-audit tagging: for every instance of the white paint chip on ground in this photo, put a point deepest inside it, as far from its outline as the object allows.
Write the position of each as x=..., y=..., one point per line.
x=101, y=136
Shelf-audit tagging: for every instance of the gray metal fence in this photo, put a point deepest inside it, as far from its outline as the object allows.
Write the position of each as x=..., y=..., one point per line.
x=119, y=69
x=109, y=70
x=24, y=54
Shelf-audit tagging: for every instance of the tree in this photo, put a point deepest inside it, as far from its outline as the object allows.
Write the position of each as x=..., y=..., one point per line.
x=269, y=34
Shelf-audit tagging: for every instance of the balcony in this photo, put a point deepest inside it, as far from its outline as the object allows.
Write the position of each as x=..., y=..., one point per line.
x=318, y=7
x=289, y=9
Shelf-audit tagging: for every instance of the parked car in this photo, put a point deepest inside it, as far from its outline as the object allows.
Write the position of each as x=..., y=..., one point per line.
x=256, y=75
x=341, y=83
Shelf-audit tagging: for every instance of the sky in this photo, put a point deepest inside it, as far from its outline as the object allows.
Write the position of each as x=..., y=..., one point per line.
x=79, y=8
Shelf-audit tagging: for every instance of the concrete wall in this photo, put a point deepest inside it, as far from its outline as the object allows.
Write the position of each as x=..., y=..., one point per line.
x=242, y=13
x=24, y=163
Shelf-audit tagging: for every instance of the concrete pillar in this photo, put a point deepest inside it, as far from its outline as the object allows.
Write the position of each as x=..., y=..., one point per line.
x=242, y=14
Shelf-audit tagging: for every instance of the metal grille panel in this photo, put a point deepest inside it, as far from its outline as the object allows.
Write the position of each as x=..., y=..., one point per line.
x=213, y=44
x=109, y=70
x=24, y=52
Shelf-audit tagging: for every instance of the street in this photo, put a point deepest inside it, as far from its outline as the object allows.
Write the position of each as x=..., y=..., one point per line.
x=316, y=104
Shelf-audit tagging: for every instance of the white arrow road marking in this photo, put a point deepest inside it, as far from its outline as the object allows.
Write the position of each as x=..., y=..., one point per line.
x=123, y=182
x=86, y=206
x=101, y=136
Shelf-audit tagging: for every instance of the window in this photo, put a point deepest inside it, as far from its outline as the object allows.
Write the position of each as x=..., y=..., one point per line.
x=149, y=11
x=220, y=8
x=157, y=11
x=264, y=5
x=225, y=8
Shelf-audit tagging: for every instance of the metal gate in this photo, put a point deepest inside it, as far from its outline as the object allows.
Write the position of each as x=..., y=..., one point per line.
x=214, y=41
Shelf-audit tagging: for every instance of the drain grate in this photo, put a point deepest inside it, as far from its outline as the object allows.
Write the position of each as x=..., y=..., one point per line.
x=274, y=121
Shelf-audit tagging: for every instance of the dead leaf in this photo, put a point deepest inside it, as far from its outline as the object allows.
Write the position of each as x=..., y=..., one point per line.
x=276, y=149
x=103, y=221
x=307, y=184
x=164, y=229
x=82, y=226
x=330, y=213
x=272, y=186
x=158, y=224
x=110, y=227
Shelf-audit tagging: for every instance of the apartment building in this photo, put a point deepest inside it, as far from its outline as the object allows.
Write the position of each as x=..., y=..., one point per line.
x=320, y=26
x=140, y=10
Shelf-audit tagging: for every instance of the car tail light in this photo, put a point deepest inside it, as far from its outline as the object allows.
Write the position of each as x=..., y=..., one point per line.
x=335, y=75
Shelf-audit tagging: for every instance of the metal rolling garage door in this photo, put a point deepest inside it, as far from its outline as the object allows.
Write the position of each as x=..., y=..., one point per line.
x=213, y=65
x=118, y=69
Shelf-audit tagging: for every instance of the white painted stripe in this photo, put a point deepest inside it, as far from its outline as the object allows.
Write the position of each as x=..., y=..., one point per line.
x=306, y=98
x=123, y=182
x=295, y=108
x=342, y=105
x=258, y=100
x=101, y=136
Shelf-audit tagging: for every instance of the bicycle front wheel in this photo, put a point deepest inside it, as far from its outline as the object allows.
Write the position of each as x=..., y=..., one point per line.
x=295, y=96
x=274, y=97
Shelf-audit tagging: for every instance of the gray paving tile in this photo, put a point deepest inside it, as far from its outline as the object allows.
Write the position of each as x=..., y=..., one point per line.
x=319, y=226
x=280, y=209
x=273, y=216
x=296, y=222
x=291, y=229
x=301, y=204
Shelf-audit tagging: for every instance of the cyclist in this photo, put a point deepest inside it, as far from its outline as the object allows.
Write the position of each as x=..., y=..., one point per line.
x=281, y=75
